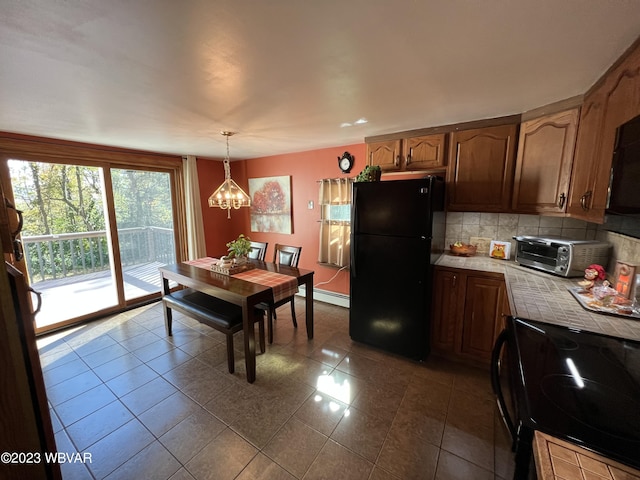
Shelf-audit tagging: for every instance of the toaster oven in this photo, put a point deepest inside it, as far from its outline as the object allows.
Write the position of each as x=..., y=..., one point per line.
x=560, y=256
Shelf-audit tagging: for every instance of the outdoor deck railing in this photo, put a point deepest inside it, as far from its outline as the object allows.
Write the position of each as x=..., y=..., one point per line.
x=52, y=257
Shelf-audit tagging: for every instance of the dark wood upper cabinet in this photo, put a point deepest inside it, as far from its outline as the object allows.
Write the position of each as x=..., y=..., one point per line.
x=423, y=152
x=563, y=160
x=584, y=159
x=543, y=164
x=614, y=101
x=480, y=169
x=386, y=154
x=622, y=103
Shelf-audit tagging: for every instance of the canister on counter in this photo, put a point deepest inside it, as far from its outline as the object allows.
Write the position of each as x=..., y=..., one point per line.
x=623, y=278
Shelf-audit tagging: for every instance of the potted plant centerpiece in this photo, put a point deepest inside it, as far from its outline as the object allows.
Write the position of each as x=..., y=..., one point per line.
x=239, y=249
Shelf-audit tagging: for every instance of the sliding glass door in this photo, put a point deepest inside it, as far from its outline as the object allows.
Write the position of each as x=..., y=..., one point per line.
x=144, y=216
x=93, y=236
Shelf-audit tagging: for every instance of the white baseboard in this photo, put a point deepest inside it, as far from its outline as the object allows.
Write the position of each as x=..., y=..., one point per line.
x=326, y=296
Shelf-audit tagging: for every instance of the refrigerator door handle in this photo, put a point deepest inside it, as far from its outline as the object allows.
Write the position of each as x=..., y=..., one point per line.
x=354, y=229
x=354, y=211
x=353, y=260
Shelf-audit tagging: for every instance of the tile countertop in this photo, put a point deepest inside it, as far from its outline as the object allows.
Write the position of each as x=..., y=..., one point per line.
x=557, y=459
x=544, y=297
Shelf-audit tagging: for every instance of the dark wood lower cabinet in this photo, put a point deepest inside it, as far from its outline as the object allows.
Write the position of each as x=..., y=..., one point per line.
x=446, y=306
x=468, y=309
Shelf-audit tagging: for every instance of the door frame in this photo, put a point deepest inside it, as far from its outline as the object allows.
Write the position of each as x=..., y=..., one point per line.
x=45, y=150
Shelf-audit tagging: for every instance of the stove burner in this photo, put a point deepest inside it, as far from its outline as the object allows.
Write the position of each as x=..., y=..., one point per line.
x=564, y=343
x=595, y=405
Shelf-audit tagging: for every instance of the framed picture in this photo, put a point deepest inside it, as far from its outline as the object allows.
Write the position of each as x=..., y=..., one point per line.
x=270, y=204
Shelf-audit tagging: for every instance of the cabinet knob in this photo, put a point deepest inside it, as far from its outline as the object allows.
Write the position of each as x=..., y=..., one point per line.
x=409, y=155
x=397, y=160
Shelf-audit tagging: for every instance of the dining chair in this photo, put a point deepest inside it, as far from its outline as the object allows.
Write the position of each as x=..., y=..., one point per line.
x=258, y=250
x=283, y=255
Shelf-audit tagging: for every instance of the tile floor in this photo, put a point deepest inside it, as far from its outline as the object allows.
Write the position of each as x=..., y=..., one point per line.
x=146, y=406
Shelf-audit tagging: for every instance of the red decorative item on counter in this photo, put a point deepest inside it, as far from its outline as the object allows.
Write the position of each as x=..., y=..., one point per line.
x=601, y=274
x=592, y=274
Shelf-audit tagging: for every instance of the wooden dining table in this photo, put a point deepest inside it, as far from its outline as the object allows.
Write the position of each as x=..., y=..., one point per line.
x=246, y=294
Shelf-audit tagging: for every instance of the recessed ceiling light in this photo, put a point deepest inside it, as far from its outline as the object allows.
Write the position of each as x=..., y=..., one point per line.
x=360, y=121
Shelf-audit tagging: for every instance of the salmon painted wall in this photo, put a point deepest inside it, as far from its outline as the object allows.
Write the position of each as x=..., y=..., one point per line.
x=305, y=169
x=218, y=229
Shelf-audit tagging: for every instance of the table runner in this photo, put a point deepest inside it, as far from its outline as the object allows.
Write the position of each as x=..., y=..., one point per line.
x=282, y=286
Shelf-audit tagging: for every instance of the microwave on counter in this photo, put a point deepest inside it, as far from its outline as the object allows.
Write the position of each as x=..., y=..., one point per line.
x=560, y=256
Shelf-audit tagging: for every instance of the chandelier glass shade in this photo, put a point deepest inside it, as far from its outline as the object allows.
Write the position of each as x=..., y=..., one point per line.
x=229, y=195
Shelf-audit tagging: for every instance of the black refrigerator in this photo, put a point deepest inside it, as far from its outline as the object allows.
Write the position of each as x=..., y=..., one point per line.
x=397, y=232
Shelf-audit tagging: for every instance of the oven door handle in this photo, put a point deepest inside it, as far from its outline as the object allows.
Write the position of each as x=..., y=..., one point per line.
x=495, y=383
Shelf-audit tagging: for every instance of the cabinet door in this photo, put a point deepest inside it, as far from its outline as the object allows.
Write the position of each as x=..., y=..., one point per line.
x=614, y=102
x=543, y=165
x=622, y=103
x=584, y=161
x=480, y=172
x=387, y=154
x=501, y=321
x=446, y=300
x=423, y=153
x=484, y=301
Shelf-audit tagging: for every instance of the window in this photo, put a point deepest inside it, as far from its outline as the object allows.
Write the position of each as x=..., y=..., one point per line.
x=335, y=221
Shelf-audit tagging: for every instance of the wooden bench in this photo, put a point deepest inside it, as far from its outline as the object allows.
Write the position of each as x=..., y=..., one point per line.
x=218, y=314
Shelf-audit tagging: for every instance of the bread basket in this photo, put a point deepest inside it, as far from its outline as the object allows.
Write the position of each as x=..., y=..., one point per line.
x=464, y=250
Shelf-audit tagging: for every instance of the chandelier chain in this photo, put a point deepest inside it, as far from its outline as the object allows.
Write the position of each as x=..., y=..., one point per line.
x=227, y=165
x=229, y=195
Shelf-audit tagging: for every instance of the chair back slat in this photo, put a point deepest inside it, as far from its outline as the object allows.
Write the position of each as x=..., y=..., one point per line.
x=258, y=250
x=286, y=255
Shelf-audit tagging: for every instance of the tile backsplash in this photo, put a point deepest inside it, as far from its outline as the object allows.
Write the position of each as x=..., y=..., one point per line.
x=461, y=226
x=625, y=249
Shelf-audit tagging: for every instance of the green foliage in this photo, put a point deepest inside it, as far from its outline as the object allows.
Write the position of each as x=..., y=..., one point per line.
x=142, y=198
x=239, y=247
x=58, y=259
x=370, y=173
x=59, y=199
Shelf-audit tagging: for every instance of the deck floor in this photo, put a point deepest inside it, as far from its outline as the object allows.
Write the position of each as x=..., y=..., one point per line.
x=71, y=297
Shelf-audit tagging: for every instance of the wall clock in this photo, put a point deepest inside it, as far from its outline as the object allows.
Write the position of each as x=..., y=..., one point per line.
x=345, y=162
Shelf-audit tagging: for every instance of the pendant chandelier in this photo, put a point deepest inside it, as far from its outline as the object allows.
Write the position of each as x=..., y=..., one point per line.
x=229, y=195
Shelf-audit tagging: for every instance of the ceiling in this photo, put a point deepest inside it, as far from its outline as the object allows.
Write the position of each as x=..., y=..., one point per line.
x=168, y=76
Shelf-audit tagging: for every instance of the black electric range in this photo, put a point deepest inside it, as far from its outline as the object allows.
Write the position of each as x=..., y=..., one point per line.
x=579, y=386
